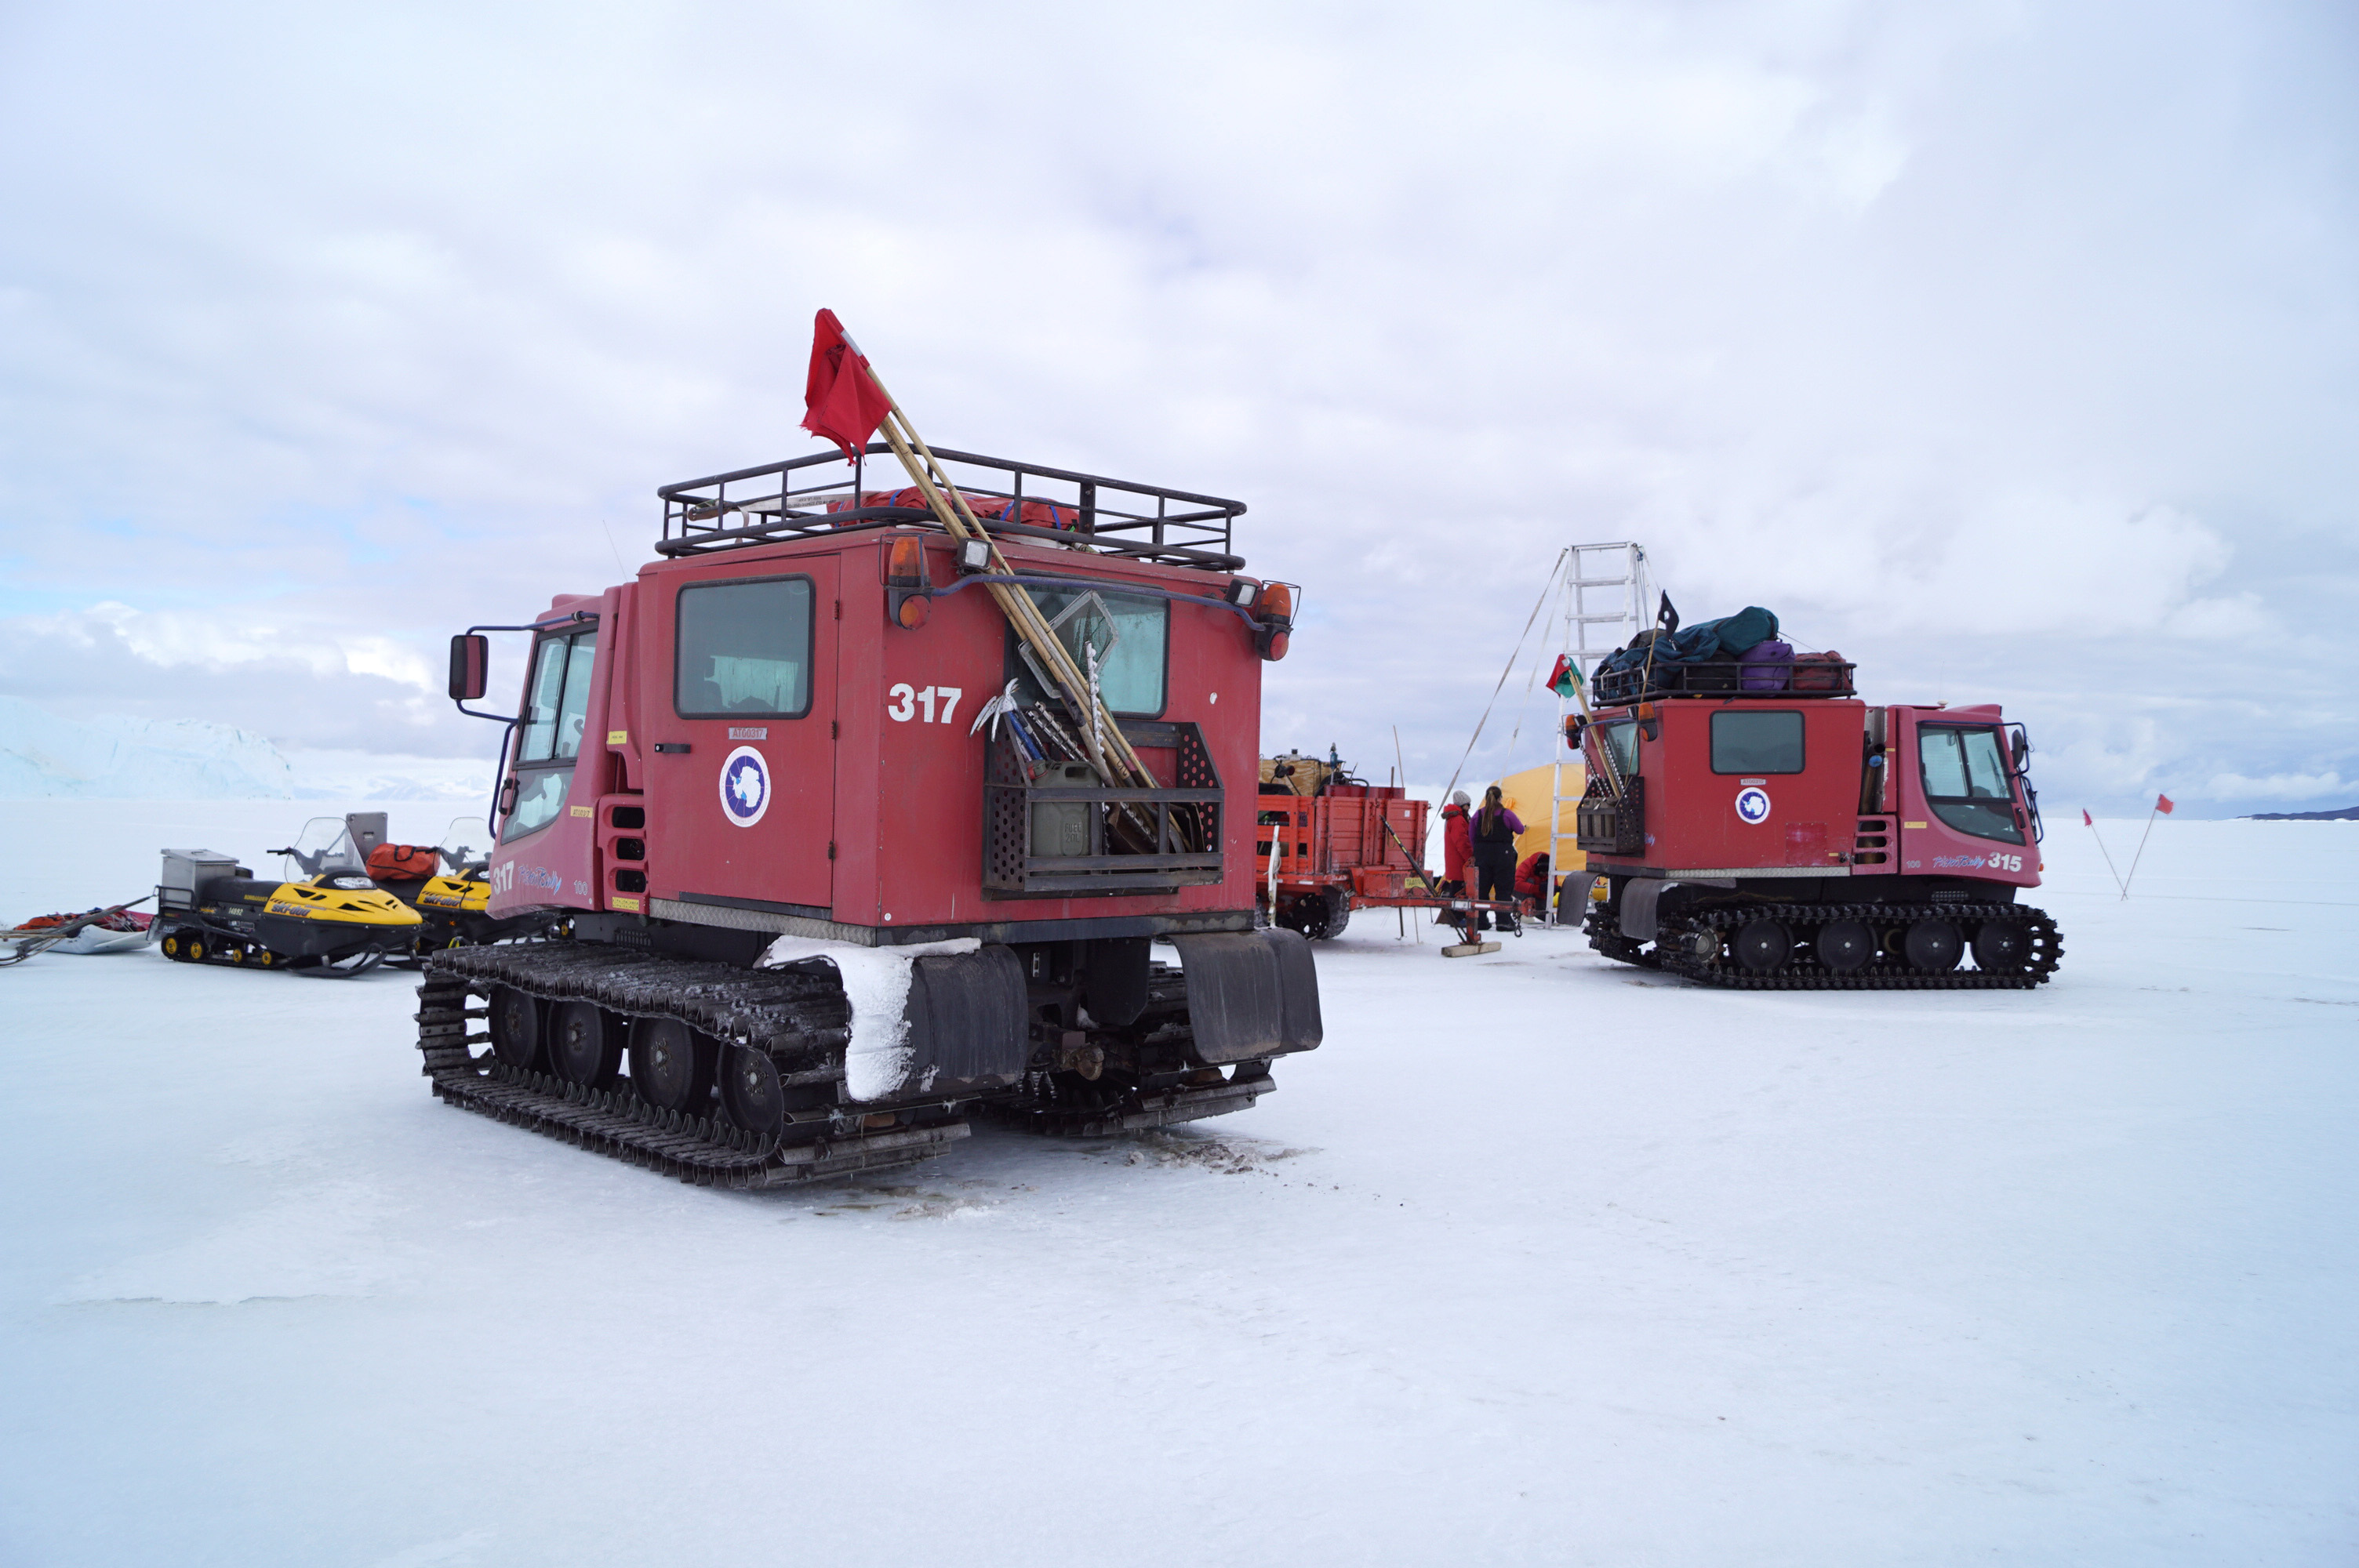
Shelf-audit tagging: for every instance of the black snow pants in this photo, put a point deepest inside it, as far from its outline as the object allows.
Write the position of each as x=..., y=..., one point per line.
x=1495, y=871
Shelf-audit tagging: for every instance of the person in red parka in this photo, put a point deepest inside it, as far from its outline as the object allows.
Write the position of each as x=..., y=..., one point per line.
x=1532, y=880
x=1457, y=841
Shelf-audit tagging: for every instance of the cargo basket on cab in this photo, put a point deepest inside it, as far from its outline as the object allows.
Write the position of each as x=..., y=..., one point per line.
x=1052, y=827
x=1604, y=825
x=1804, y=675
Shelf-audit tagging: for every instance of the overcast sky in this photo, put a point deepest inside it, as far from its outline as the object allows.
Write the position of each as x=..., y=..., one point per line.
x=2008, y=348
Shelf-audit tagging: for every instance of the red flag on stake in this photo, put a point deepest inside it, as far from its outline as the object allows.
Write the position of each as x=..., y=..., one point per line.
x=2090, y=824
x=841, y=401
x=2161, y=808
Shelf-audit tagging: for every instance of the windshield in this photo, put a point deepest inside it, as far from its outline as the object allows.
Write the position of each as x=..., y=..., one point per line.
x=558, y=702
x=464, y=843
x=1966, y=782
x=324, y=847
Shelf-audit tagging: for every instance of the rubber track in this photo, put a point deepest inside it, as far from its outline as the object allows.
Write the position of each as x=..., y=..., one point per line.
x=1881, y=973
x=782, y=1012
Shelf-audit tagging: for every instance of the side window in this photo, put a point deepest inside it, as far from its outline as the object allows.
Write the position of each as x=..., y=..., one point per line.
x=744, y=648
x=1966, y=781
x=556, y=709
x=1745, y=741
x=1128, y=634
x=547, y=689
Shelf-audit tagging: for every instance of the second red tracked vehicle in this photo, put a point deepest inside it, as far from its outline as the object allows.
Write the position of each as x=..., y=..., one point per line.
x=1756, y=824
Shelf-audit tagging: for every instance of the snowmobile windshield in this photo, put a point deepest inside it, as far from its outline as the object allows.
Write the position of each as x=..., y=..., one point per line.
x=1966, y=781
x=324, y=847
x=464, y=843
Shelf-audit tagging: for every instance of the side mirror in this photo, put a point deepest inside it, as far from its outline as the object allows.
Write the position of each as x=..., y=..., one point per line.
x=470, y=667
x=2020, y=743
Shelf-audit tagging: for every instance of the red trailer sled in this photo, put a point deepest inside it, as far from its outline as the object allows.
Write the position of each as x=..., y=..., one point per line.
x=1341, y=844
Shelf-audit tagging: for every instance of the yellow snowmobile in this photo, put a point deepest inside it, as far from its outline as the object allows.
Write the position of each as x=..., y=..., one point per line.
x=211, y=910
x=446, y=885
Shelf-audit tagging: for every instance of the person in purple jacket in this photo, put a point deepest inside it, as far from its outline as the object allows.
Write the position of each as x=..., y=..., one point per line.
x=1495, y=828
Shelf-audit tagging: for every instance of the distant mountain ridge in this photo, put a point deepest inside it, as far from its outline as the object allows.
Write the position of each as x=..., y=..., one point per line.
x=2347, y=813
x=111, y=757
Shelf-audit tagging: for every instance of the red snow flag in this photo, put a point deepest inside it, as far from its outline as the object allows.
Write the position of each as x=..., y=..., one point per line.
x=2162, y=803
x=844, y=403
x=2087, y=820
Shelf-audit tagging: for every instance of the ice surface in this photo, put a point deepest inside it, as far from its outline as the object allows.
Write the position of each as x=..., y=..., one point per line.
x=110, y=757
x=1537, y=1259
x=877, y=984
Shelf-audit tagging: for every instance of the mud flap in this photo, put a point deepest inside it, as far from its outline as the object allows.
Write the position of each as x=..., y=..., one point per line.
x=1640, y=896
x=967, y=1015
x=1250, y=994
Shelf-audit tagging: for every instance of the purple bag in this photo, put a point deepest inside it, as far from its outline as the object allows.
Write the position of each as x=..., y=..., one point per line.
x=1767, y=666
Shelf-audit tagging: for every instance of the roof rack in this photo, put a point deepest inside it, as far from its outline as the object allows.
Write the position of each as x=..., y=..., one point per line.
x=1783, y=678
x=1112, y=516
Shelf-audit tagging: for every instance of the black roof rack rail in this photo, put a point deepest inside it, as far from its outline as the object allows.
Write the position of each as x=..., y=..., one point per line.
x=1112, y=516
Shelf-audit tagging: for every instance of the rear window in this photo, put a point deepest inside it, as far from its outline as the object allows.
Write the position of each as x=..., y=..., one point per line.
x=1126, y=634
x=1745, y=741
x=743, y=649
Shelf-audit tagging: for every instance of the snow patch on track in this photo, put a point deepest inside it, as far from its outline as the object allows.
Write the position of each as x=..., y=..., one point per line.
x=876, y=983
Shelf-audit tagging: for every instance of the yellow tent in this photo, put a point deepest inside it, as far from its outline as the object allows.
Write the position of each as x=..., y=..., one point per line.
x=1527, y=795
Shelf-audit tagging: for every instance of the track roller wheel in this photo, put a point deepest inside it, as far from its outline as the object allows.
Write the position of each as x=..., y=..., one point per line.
x=235, y=953
x=585, y=1044
x=2001, y=945
x=750, y=1090
x=197, y=948
x=1763, y=945
x=264, y=959
x=1933, y=945
x=174, y=948
x=1844, y=946
x=671, y=1064
x=515, y=1028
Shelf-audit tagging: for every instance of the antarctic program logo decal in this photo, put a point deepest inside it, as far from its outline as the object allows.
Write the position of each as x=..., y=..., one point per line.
x=744, y=786
x=1752, y=806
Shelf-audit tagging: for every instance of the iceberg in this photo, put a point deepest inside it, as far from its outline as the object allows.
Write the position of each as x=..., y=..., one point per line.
x=114, y=757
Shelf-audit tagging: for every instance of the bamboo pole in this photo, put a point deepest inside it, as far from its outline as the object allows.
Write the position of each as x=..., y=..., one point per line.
x=950, y=509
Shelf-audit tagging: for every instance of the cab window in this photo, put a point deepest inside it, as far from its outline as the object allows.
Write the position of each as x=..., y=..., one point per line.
x=1745, y=741
x=1966, y=781
x=558, y=702
x=743, y=650
x=1127, y=634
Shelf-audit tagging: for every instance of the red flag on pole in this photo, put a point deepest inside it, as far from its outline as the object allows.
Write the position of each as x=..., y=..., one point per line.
x=2162, y=803
x=843, y=402
x=2087, y=820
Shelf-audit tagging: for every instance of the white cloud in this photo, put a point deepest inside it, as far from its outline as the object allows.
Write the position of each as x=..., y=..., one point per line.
x=1943, y=331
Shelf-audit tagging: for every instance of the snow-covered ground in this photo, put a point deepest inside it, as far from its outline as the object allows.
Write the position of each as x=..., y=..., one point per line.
x=1537, y=1259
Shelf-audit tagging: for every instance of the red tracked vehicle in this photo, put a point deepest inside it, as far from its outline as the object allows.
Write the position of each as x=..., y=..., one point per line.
x=772, y=734
x=1760, y=827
